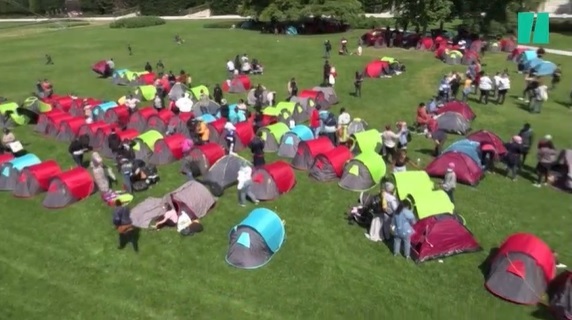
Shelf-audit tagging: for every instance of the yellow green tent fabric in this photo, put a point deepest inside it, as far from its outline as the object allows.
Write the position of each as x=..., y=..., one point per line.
x=271, y=111
x=121, y=100
x=36, y=105
x=455, y=54
x=147, y=92
x=367, y=140
x=149, y=138
x=124, y=198
x=374, y=163
x=412, y=183
x=15, y=116
x=286, y=106
x=277, y=130
x=389, y=59
x=131, y=75
x=432, y=203
x=196, y=91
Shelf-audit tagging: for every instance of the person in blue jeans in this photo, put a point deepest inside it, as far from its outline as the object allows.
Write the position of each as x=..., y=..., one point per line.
x=403, y=221
x=126, y=168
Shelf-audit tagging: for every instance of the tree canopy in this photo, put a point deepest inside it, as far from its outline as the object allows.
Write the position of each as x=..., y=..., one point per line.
x=284, y=10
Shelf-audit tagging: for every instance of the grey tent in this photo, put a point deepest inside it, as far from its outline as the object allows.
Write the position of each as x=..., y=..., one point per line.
x=291, y=139
x=307, y=105
x=357, y=125
x=10, y=171
x=35, y=179
x=177, y=91
x=178, y=124
x=308, y=150
x=224, y=172
x=193, y=198
x=122, y=80
x=254, y=241
x=329, y=95
x=202, y=157
x=210, y=107
x=453, y=122
x=251, y=99
x=453, y=59
x=145, y=212
x=329, y=166
x=272, y=135
x=560, y=296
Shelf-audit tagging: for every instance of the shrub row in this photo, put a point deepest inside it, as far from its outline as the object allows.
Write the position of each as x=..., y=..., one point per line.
x=137, y=22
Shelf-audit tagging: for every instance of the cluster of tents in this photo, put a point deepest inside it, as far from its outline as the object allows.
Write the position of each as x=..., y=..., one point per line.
x=528, y=60
x=380, y=67
x=455, y=117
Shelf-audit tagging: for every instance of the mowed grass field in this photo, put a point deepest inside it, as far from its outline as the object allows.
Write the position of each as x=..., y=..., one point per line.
x=63, y=264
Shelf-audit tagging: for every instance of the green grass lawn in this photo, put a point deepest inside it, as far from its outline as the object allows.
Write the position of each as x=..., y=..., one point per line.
x=560, y=41
x=63, y=264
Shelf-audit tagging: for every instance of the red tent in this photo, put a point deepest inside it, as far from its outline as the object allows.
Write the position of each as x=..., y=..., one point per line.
x=476, y=46
x=239, y=84
x=507, y=45
x=560, y=296
x=77, y=107
x=101, y=134
x=5, y=157
x=521, y=269
x=515, y=54
x=469, y=56
x=272, y=180
x=69, y=129
x=179, y=122
x=216, y=129
x=441, y=236
x=467, y=170
x=53, y=127
x=63, y=103
x=160, y=120
x=168, y=149
x=147, y=78
x=245, y=134
x=205, y=155
x=100, y=67
x=69, y=187
x=459, y=107
x=36, y=179
x=91, y=131
x=426, y=43
x=329, y=166
x=484, y=136
x=440, y=51
x=375, y=68
x=318, y=96
x=118, y=115
x=138, y=120
x=308, y=150
x=128, y=134
x=45, y=119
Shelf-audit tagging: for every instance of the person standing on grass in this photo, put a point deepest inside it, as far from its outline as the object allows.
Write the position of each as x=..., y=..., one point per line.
x=124, y=226
x=126, y=168
x=160, y=67
x=218, y=94
x=503, y=87
x=327, y=69
x=556, y=76
x=403, y=221
x=49, y=60
x=344, y=120
x=315, y=121
x=327, y=49
x=257, y=150
x=546, y=156
x=77, y=149
x=513, y=157
x=129, y=49
x=358, y=80
x=539, y=96
x=526, y=140
x=485, y=87
x=244, y=185
x=389, y=140
x=389, y=204
x=449, y=183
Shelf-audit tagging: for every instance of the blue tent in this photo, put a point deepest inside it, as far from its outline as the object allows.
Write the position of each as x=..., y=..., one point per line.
x=233, y=116
x=291, y=139
x=545, y=68
x=102, y=108
x=291, y=31
x=120, y=72
x=527, y=56
x=531, y=64
x=468, y=147
x=12, y=168
x=254, y=241
x=207, y=118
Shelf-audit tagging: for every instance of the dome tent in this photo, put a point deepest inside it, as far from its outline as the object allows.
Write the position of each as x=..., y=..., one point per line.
x=484, y=136
x=224, y=172
x=12, y=115
x=45, y=119
x=308, y=150
x=272, y=180
x=193, y=198
x=329, y=166
x=147, y=211
x=200, y=108
x=330, y=96
x=251, y=99
x=291, y=110
x=453, y=57
x=365, y=141
x=145, y=93
x=363, y=172
x=453, y=122
x=431, y=202
x=35, y=179
x=69, y=130
x=100, y=136
x=244, y=134
x=69, y=187
x=216, y=130
x=177, y=91
x=468, y=147
x=254, y=241
x=128, y=134
x=196, y=92
x=560, y=296
x=36, y=105
x=467, y=170
x=272, y=135
x=118, y=115
x=144, y=144
x=376, y=69
x=239, y=84
x=202, y=157
x=168, y=149
x=459, y=107
x=291, y=139
x=160, y=120
x=138, y=120
x=411, y=182
x=53, y=127
x=317, y=96
x=10, y=170
x=100, y=109
x=90, y=130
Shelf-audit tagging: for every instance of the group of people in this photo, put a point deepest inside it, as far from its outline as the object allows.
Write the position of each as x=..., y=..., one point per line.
x=241, y=64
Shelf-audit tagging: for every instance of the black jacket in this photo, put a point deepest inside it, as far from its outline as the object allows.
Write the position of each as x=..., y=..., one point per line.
x=121, y=216
x=75, y=146
x=113, y=141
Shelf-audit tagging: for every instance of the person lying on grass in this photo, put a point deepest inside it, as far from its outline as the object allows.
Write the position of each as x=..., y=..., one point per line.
x=168, y=219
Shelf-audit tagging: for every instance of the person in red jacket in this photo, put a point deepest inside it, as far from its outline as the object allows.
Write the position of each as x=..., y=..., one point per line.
x=315, y=123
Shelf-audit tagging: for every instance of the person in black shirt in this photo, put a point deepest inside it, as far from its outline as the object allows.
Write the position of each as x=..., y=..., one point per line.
x=49, y=60
x=357, y=84
x=327, y=49
x=124, y=226
x=77, y=150
x=293, y=88
x=387, y=36
x=258, y=120
x=113, y=141
x=129, y=49
x=160, y=67
x=257, y=149
x=439, y=137
x=217, y=94
x=556, y=76
x=148, y=67
x=326, y=72
x=171, y=78
x=224, y=110
x=259, y=94
x=237, y=63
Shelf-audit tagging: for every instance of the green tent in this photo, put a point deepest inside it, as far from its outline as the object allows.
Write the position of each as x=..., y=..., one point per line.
x=455, y=54
x=431, y=203
x=131, y=75
x=271, y=111
x=389, y=60
x=196, y=91
x=363, y=172
x=146, y=93
x=272, y=135
x=11, y=115
x=148, y=138
x=412, y=183
x=36, y=105
x=365, y=141
x=288, y=106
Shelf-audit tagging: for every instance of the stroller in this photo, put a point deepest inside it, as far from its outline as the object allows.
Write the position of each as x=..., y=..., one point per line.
x=143, y=176
x=362, y=214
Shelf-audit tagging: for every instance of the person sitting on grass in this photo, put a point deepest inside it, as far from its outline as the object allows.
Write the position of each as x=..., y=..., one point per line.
x=449, y=183
x=423, y=117
x=7, y=139
x=168, y=219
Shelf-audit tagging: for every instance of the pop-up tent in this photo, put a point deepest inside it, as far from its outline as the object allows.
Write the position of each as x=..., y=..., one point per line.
x=147, y=78
x=196, y=92
x=69, y=129
x=376, y=69
x=453, y=57
x=291, y=139
x=96, y=132
x=145, y=93
x=36, y=105
x=254, y=241
x=53, y=127
x=251, y=98
x=138, y=120
x=487, y=137
x=216, y=130
x=202, y=157
x=45, y=119
x=244, y=135
x=168, y=150
x=127, y=77
x=239, y=84
x=272, y=135
x=316, y=96
x=453, y=122
x=36, y=179
x=441, y=236
x=425, y=44
x=468, y=147
x=521, y=269
x=330, y=96
x=329, y=166
x=430, y=203
x=362, y=172
x=146, y=212
x=411, y=183
x=516, y=53
x=560, y=296
x=307, y=104
x=357, y=125
x=69, y=187
x=193, y=198
x=545, y=68
x=292, y=110
x=10, y=170
x=467, y=170
x=144, y=144
x=272, y=180
x=128, y=134
x=100, y=109
x=12, y=115
x=224, y=172
x=64, y=103
x=160, y=120
x=177, y=91
x=459, y=107
x=201, y=108
x=118, y=115
x=365, y=141
x=308, y=150
x=179, y=123
x=207, y=118
x=78, y=107
x=101, y=68
x=5, y=157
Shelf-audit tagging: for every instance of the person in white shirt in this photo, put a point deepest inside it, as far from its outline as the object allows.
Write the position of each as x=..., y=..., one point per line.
x=88, y=120
x=185, y=104
x=230, y=68
x=244, y=185
x=389, y=140
x=485, y=86
x=246, y=68
x=131, y=103
x=462, y=45
x=111, y=65
x=270, y=97
x=496, y=80
x=230, y=136
x=332, y=77
x=344, y=120
x=244, y=58
x=503, y=87
x=158, y=103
